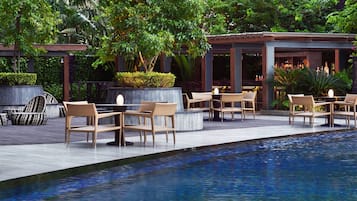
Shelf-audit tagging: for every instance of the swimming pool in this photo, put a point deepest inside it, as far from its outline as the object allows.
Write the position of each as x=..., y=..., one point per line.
x=316, y=167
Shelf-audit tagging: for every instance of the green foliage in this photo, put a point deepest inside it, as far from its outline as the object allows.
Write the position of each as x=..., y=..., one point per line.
x=12, y=79
x=148, y=79
x=289, y=79
x=25, y=23
x=143, y=30
x=344, y=20
x=55, y=89
x=232, y=16
x=307, y=81
x=186, y=66
x=317, y=84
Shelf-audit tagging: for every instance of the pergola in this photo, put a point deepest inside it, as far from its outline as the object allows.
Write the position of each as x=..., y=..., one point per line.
x=268, y=44
x=55, y=50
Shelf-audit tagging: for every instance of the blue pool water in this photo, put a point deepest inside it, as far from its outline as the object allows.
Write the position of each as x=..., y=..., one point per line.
x=318, y=167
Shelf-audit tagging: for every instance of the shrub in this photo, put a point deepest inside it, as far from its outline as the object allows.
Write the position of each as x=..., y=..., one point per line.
x=145, y=79
x=12, y=79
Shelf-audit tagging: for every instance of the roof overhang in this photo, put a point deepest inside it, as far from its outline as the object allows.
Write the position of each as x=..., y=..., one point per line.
x=52, y=50
x=261, y=37
x=282, y=41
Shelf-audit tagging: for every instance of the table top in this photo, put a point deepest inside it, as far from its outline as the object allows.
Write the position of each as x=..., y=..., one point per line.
x=115, y=105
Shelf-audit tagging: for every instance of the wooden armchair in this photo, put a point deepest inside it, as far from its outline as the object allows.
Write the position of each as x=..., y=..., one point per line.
x=291, y=106
x=88, y=110
x=151, y=112
x=311, y=108
x=249, y=101
x=229, y=103
x=346, y=108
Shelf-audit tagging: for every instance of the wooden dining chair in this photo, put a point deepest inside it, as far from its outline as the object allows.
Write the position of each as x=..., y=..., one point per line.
x=151, y=121
x=229, y=103
x=249, y=101
x=346, y=108
x=311, y=109
x=88, y=110
x=291, y=106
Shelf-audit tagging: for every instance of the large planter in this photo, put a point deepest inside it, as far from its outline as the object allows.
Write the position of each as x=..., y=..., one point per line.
x=136, y=95
x=15, y=97
x=185, y=120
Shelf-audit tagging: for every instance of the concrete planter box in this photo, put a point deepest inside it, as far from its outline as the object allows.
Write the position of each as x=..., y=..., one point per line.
x=15, y=97
x=185, y=121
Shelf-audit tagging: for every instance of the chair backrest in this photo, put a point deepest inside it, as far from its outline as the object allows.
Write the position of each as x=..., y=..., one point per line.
x=147, y=106
x=306, y=101
x=50, y=99
x=81, y=110
x=201, y=95
x=232, y=97
x=120, y=99
x=350, y=98
x=36, y=104
x=65, y=103
x=251, y=95
x=290, y=95
x=162, y=109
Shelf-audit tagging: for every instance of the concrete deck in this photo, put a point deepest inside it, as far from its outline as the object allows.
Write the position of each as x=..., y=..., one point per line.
x=31, y=150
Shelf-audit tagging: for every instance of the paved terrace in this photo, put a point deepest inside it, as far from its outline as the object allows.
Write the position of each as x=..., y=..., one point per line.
x=32, y=150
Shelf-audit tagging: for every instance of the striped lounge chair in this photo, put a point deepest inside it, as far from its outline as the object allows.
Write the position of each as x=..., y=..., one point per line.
x=50, y=99
x=32, y=114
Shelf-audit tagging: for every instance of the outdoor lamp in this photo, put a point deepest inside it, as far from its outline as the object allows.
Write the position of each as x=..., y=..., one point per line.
x=330, y=93
x=215, y=91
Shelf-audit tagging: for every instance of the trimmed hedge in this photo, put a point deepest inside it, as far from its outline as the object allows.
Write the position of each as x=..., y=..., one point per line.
x=11, y=79
x=142, y=79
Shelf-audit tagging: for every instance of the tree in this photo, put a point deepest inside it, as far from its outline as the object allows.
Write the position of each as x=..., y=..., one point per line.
x=236, y=16
x=345, y=20
x=143, y=30
x=25, y=23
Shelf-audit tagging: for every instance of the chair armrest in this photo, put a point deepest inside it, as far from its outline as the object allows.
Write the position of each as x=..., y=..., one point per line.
x=108, y=114
x=322, y=103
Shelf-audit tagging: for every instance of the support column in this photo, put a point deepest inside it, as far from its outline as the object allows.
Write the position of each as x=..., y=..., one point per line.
x=66, y=84
x=236, y=69
x=268, y=54
x=165, y=64
x=337, y=60
x=354, y=75
x=207, y=71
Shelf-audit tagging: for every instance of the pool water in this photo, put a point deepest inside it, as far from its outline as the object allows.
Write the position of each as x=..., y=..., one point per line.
x=317, y=167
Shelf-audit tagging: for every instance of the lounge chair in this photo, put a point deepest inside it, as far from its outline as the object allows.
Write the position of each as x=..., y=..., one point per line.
x=151, y=112
x=32, y=114
x=51, y=100
x=88, y=110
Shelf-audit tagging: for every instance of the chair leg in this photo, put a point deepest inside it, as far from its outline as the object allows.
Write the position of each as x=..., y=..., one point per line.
x=173, y=126
x=167, y=132
x=94, y=139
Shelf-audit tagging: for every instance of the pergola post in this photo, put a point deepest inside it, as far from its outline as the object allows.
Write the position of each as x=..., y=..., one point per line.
x=354, y=75
x=207, y=71
x=236, y=69
x=66, y=84
x=268, y=57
